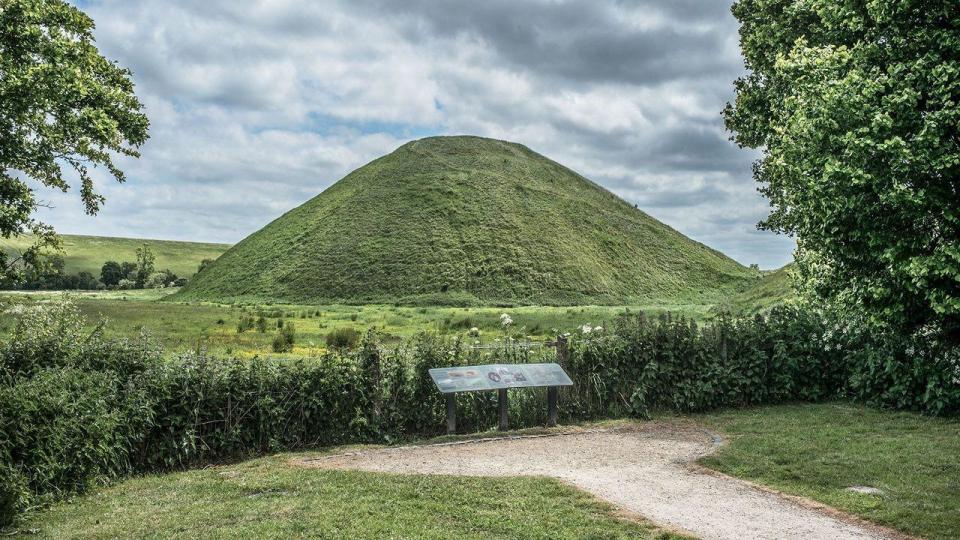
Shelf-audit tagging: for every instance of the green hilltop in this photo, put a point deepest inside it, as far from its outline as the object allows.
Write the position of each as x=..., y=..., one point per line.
x=463, y=220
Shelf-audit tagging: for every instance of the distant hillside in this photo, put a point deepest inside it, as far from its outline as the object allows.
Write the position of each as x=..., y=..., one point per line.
x=773, y=288
x=88, y=253
x=465, y=220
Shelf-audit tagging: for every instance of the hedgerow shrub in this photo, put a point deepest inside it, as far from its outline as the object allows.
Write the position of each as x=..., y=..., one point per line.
x=70, y=407
x=674, y=364
x=208, y=409
x=916, y=372
x=14, y=492
x=68, y=429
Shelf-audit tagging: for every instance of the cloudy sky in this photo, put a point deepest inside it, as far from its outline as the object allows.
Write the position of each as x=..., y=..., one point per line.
x=255, y=107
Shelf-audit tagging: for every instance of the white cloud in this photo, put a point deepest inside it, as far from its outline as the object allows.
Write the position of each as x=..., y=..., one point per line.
x=257, y=106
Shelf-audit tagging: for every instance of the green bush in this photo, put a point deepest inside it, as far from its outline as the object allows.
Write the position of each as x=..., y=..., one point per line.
x=246, y=322
x=674, y=364
x=14, y=492
x=285, y=338
x=917, y=372
x=207, y=409
x=71, y=406
x=72, y=428
x=342, y=338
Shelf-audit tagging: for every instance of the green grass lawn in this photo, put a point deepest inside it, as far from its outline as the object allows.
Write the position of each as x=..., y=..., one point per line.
x=267, y=498
x=818, y=451
x=88, y=253
x=183, y=325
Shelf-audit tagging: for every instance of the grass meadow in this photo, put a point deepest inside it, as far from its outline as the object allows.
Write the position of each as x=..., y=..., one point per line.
x=182, y=326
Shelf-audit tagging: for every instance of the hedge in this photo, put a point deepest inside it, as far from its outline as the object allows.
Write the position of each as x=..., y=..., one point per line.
x=78, y=410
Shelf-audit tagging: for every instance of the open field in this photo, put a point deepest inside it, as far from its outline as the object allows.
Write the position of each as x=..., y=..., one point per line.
x=88, y=253
x=816, y=451
x=214, y=326
x=180, y=325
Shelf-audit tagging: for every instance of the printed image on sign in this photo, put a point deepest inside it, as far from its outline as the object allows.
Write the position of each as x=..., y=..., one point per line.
x=459, y=379
x=496, y=376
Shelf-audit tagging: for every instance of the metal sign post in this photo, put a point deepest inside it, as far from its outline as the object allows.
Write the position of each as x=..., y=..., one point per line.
x=499, y=377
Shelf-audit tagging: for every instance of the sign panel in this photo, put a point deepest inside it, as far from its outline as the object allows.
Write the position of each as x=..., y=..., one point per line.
x=497, y=376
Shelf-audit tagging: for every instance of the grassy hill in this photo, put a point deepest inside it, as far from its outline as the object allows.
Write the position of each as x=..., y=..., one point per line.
x=773, y=288
x=88, y=253
x=462, y=220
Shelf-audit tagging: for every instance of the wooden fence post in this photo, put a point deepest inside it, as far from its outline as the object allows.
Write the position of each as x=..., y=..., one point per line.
x=563, y=351
x=553, y=393
x=374, y=382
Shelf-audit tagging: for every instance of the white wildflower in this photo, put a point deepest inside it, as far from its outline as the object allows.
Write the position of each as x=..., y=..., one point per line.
x=505, y=320
x=586, y=329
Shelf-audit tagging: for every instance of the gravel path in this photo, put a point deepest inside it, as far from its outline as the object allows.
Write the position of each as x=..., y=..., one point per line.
x=647, y=470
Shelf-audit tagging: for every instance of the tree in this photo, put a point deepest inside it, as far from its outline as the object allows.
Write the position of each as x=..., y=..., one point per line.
x=44, y=272
x=161, y=279
x=145, y=260
x=61, y=104
x=856, y=106
x=129, y=270
x=86, y=281
x=111, y=273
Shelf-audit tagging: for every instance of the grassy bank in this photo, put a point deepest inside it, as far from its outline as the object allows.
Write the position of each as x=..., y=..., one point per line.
x=818, y=451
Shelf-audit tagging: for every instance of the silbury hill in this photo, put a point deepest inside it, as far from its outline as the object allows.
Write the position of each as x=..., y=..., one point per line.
x=467, y=220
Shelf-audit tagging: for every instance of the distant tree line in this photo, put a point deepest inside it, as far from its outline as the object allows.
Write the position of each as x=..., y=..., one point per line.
x=47, y=272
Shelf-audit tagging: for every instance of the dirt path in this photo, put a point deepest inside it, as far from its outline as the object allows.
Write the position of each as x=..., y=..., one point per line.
x=647, y=470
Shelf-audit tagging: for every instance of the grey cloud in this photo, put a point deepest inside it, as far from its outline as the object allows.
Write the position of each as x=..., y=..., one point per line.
x=671, y=198
x=281, y=99
x=582, y=40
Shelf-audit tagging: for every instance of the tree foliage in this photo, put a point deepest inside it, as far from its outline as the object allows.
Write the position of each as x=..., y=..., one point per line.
x=856, y=105
x=145, y=264
x=63, y=106
x=111, y=273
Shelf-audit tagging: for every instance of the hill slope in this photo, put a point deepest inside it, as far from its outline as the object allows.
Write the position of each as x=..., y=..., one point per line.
x=461, y=220
x=88, y=253
x=773, y=288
